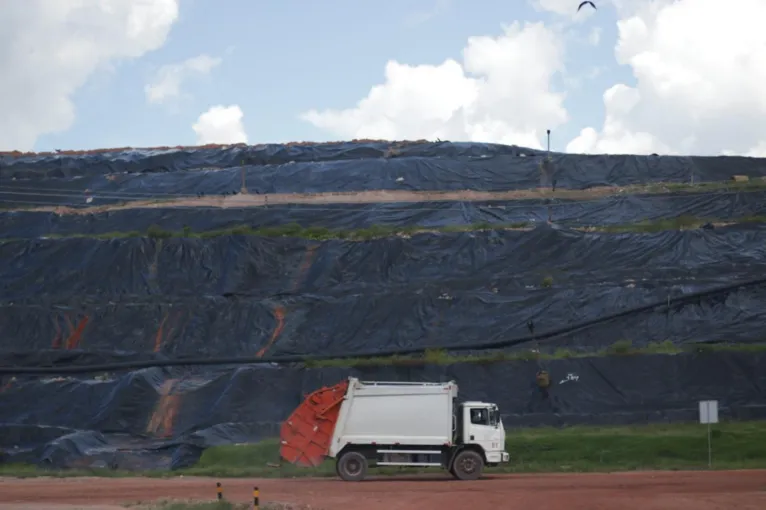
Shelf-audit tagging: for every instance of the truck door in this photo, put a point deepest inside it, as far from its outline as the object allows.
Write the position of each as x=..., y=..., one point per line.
x=483, y=429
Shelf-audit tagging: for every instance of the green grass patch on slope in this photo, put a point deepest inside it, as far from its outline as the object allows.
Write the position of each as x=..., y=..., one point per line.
x=756, y=183
x=736, y=445
x=380, y=231
x=619, y=348
x=683, y=222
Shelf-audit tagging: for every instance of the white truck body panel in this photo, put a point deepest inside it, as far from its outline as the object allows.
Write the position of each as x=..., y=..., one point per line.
x=393, y=413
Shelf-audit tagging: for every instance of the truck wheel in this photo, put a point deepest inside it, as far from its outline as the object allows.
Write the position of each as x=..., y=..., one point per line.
x=352, y=466
x=467, y=466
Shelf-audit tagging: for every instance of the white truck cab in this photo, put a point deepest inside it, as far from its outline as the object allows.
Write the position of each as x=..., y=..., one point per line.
x=482, y=426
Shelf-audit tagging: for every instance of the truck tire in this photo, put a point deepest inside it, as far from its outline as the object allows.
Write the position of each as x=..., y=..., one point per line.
x=352, y=466
x=468, y=465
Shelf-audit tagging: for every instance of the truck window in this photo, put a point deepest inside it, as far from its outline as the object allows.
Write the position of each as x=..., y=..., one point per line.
x=479, y=417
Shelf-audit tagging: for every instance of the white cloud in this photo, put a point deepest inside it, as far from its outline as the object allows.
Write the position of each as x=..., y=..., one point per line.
x=419, y=17
x=49, y=49
x=220, y=124
x=168, y=79
x=501, y=93
x=620, y=101
x=700, y=66
x=759, y=151
x=594, y=37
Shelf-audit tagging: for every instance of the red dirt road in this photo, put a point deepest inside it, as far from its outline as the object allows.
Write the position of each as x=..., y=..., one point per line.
x=716, y=490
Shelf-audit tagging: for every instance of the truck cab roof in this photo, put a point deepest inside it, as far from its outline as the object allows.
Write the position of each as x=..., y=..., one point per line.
x=477, y=403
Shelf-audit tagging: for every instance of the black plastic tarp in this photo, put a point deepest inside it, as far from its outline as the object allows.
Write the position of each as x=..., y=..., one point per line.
x=620, y=209
x=118, y=177
x=244, y=295
x=156, y=418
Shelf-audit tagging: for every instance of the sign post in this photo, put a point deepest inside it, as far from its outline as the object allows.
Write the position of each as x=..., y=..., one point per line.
x=709, y=415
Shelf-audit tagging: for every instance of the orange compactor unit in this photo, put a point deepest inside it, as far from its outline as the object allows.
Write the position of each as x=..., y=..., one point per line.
x=368, y=424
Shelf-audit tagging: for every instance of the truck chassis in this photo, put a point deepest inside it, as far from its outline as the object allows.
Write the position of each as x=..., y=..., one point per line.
x=463, y=462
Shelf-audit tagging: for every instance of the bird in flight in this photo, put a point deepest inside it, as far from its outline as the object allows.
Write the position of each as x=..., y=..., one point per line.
x=585, y=2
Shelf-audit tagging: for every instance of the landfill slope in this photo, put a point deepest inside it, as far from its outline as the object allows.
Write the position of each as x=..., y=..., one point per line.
x=247, y=296
x=351, y=166
x=358, y=184
x=87, y=285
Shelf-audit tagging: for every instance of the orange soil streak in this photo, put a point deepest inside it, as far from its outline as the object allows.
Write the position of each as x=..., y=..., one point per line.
x=280, y=311
x=171, y=327
x=165, y=412
x=308, y=259
x=279, y=316
x=73, y=342
x=158, y=336
x=69, y=324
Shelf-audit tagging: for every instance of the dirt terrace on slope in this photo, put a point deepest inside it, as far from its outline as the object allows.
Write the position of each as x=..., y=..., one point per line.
x=384, y=196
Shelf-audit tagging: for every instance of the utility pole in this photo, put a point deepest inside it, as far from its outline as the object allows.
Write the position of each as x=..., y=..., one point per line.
x=548, y=131
x=244, y=186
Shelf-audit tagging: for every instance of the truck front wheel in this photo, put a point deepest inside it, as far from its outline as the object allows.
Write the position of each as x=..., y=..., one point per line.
x=468, y=465
x=352, y=466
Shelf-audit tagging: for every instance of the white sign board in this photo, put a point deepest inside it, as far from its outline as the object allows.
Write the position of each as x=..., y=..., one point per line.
x=708, y=411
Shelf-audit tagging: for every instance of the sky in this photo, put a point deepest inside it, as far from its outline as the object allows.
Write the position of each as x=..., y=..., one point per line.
x=630, y=77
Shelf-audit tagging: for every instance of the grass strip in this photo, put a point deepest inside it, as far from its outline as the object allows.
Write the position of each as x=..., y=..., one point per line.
x=619, y=348
x=380, y=231
x=440, y=357
x=577, y=449
x=736, y=445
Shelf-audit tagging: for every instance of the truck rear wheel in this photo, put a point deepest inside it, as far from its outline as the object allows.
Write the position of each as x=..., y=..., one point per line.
x=352, y=466
x=468, y=465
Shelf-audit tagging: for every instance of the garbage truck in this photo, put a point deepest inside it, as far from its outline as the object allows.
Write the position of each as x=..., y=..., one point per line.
x=366, y=424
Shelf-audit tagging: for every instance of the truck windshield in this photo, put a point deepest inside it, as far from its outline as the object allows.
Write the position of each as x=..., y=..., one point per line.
x=485, y=416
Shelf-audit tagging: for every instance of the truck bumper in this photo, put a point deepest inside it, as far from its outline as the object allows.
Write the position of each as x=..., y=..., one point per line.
x=497, y=457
